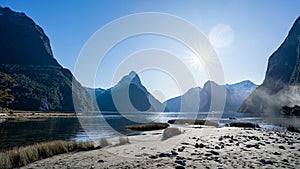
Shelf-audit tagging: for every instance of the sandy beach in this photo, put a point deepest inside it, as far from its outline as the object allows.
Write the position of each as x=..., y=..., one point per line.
x=208, y=147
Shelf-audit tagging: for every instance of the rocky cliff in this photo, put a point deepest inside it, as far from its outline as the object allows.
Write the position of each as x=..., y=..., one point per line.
x=281, y=83
x=26, y=55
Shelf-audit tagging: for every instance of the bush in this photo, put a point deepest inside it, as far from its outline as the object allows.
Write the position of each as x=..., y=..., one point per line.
x=292, y=129
x=244, y=124
x=103, y=142
x=170, y=132
x=193, y=122
x=123, y=140
x=148, y=126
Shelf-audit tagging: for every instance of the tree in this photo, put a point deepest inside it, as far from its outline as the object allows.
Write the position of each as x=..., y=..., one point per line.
x=6, y=83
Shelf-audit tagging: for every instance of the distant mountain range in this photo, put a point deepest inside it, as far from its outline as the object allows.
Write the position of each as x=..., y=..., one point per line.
x=41, y=83
x=235, y=95
x=131, y=87
x=282, y=80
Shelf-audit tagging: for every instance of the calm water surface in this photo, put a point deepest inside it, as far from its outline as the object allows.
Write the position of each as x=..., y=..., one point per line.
x=109, y=125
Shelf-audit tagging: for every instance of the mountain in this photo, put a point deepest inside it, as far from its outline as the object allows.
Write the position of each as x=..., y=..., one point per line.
x=199, y=99
x=237, y=94
x=281, y=84
x=41, y=83
x=128, y=95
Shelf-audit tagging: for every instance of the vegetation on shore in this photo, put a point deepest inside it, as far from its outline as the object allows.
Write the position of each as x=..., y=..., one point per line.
x=21, y=156
x=243, y=124
x=147, y=126
x=292, y=129
x=193, y=122
x=291, y=110
x=6, y=98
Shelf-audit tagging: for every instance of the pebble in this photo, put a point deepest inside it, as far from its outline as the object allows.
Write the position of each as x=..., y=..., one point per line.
x=199, y=145
x=179, y=167
x=100, y=161
x=180, y=162
x=181, y=149
x=164, y=155
x=153, y=157
x=174, y=153
x=214, y=152
x=277, y=153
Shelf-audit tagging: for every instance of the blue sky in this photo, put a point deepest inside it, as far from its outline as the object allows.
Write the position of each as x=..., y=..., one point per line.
x=256, y=29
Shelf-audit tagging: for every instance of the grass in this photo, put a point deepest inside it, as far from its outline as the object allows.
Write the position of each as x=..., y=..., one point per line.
x=103, y=142
x=243, y=124
x=292, y=129
x=123, y=140
x=193, y=122
x=170, y=132
x=21, y=156
x=148, y=126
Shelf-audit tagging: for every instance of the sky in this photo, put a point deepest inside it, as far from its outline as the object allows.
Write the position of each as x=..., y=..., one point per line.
x=243, y=33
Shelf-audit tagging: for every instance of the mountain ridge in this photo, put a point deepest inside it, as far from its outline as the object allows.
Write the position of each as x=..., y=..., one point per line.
x=42, y=84
x=282, y=78
x=234, y=97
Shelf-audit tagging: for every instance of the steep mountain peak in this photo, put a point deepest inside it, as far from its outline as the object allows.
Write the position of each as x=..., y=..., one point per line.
x=283, y=65
x=210, y=84
x=133, y=74
x=283, y=73
x=21, y=38
x=131, y=78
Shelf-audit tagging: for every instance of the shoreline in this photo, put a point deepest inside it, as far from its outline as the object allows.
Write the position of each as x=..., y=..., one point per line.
x=20, y=116
x=226, y=147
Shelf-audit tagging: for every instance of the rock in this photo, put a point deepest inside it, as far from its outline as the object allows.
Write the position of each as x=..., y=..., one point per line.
x=269, y=162
x=100, y=161
x=285, y=160
x=214, y=152
x=180, y=162
x=181, y=149
x=217, y=147
x=277, y=153
x=180, y=158
x=263, y=161
x=282, y=147
x=174, y=153
x=179, y=167
x=153, y=157
x=199, y=145
x=207, y=154
x=253, y=145
x=164, y=155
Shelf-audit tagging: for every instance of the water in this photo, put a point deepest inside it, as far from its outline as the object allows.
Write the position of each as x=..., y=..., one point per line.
x=107, y=125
